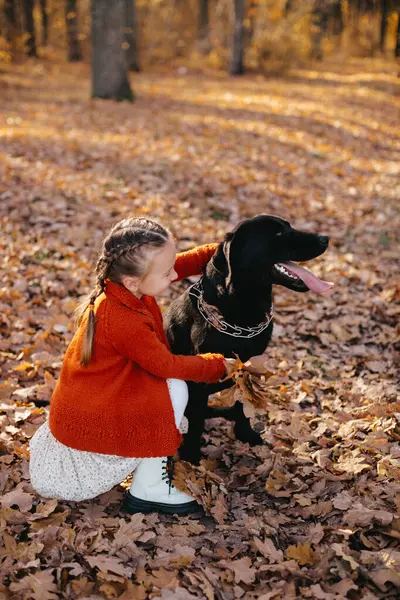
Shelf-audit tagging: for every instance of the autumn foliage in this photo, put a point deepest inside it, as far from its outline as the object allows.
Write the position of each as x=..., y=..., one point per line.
x=315, y=512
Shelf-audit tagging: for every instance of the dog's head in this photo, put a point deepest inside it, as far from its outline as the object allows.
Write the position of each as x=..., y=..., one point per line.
x=259, y=252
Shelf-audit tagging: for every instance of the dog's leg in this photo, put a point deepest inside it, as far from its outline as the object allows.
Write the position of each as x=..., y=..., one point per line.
x=195, y=412
x=243, y=430
x=213, y=412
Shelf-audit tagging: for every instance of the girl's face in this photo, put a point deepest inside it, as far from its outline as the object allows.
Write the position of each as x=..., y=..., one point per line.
x=159, y=275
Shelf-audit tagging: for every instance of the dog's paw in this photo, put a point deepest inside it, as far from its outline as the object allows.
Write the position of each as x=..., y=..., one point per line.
x=191, y=456
x=248, y=436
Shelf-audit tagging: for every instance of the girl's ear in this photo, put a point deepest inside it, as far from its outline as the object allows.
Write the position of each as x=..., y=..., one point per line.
x=130, y=282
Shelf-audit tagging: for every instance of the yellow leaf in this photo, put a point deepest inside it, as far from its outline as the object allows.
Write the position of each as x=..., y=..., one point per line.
x=24, y=366
x=302, y=553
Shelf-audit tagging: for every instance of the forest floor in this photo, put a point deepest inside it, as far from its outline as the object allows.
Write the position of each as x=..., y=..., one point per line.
x=315, y=512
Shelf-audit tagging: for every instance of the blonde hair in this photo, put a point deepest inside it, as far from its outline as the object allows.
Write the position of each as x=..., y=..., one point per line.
x=124, y=252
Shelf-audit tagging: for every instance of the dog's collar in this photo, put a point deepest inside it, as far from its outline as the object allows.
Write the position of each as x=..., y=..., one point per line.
x=213, y=316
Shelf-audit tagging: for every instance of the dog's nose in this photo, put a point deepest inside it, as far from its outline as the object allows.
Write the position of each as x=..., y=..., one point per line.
x=323, y=240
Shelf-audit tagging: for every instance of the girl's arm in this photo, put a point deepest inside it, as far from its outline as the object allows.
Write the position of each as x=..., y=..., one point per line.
x=192, y=262
x=139, y=342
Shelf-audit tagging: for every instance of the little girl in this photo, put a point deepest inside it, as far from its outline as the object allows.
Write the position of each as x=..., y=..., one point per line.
x=119, y=402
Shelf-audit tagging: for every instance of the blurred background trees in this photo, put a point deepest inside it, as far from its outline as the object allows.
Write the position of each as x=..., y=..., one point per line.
x=74, y=53
x=234, y=35
x=110, y=57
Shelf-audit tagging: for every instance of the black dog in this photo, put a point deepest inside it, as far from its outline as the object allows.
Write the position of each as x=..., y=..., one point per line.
x=230, y=309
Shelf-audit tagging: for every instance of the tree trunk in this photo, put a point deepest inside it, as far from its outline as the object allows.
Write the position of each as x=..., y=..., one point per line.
x=11, y=20
x=337, y=18
x=288, y=7
x=14, y=12
x=360, y=7
x=252, y=6
x=30, y=28
x=321, y=18
x=71, y=20
x=109, y=71
x=397, y=49
x=384, y=23
x=358, y=11
x=45, y=22
x=237, y=64
x=317, y=35
x=131, y=36
x=203, y=19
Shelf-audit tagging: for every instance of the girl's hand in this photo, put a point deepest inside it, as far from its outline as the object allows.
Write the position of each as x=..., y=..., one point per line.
x=230, y=365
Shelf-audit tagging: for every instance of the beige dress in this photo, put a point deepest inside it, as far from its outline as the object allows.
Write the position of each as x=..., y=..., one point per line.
x=58, y=471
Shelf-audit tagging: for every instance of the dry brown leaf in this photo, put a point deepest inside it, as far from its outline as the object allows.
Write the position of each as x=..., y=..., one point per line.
x=19, y=498
x=339, y=551
x=242, y=569
x=302, y=553
x=267, y=549
x=330, y=411
x=205, y=486
x=39, y=586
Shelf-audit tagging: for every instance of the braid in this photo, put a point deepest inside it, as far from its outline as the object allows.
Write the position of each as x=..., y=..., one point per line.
x=123, y=253
x=116, y=253
x=102, y=268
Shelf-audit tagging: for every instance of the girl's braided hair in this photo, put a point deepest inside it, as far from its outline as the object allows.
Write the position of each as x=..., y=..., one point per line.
x=124, y=252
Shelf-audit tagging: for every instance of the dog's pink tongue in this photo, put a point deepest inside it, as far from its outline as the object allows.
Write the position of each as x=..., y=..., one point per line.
x=312, y=281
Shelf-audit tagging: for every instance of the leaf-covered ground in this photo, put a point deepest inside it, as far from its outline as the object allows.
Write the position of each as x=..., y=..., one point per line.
x=315, y=512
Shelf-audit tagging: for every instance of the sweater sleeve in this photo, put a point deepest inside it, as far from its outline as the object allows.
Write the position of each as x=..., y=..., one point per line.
x=192, y=262
x=141, y=344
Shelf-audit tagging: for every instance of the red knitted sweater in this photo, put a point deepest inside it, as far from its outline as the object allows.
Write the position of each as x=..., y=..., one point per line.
x=119, y=403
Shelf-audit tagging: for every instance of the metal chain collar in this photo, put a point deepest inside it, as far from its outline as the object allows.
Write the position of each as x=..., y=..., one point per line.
x=213, y=316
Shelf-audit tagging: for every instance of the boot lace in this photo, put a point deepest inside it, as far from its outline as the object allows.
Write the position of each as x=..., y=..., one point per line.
x=168, y=471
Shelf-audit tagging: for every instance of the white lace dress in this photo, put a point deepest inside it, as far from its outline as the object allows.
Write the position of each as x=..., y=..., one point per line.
x=57, y=471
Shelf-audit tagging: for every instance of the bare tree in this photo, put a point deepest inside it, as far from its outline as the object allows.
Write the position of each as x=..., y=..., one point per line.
x=237, y=64
x=71, y=20
x=109, y=69
x=288, y=7
x=131, y=36
x=251, y=18
x=203, y=19
x=11, y=20
x=362, y=7
x=337, y=17
x=384, y=23
x=328, y=18
x=14, y=13
x=30, y=28
x=45, y=22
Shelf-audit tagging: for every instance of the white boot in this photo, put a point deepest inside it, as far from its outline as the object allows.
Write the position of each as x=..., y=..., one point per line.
x=152, y=490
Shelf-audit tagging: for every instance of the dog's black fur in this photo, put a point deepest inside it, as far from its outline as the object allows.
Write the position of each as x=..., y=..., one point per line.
x=238, y=280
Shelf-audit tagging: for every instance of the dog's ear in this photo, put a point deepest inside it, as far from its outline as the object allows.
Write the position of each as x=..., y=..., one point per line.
x=221, y=262
x=227, y=250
